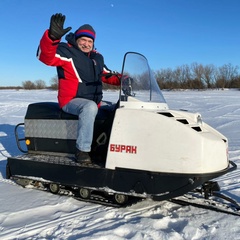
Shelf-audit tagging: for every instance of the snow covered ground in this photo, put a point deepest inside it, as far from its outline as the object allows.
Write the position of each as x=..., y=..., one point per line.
x=31, y=214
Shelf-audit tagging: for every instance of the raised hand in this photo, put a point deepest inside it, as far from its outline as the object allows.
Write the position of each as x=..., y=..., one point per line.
x=56, y=30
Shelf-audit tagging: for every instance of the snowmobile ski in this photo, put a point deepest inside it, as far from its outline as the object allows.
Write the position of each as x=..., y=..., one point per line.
x=211, y=199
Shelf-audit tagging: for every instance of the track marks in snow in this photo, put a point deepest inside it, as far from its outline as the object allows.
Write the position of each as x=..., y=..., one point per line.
x=137, y=220
x=3, y=153
x=65, y=212
x=15, y=110
x=90, y=220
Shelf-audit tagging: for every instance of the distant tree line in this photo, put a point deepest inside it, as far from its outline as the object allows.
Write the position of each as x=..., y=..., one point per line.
x=194, y=76
x=40, y=84
x=198, y=76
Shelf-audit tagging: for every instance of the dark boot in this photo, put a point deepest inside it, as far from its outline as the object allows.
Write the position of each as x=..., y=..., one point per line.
x=82, y=157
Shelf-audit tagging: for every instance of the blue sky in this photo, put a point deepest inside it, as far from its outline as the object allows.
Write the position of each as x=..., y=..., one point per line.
x=169, y=33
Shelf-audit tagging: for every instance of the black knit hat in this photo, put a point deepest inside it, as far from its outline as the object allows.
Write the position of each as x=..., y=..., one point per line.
x=85, y=30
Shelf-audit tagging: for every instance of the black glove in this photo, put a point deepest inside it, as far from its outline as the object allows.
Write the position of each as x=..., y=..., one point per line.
x=56, y=30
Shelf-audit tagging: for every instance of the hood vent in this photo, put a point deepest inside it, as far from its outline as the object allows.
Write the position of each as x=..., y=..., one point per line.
x=166, y=114
x=184, y=121
x=198, y=129
x=181, y=120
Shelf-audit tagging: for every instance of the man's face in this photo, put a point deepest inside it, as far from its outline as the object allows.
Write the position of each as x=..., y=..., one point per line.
x=85, y=44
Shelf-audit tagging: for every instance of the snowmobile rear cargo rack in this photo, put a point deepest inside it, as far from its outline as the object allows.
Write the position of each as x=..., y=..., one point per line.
x=18, y=139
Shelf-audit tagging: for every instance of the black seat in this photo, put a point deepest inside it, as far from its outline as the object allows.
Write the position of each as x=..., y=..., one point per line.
x=46, y=110
x=51, y=110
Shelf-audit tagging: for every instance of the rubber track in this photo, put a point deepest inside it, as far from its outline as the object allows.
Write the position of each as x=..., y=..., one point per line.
x=108, y=202
x=94, y=198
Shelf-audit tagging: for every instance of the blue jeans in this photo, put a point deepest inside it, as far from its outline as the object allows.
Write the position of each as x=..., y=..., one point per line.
x=86, y=110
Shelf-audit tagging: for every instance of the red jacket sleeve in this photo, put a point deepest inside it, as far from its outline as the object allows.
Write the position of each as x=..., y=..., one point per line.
x=47, y=51
x=113, y=80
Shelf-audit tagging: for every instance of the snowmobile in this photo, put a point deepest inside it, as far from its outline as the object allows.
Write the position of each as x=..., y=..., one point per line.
x=140, y=149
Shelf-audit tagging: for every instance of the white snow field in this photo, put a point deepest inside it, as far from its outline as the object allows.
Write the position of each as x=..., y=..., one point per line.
x=27, y=213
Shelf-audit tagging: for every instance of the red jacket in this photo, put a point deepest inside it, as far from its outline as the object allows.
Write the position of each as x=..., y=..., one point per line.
x=79, y=74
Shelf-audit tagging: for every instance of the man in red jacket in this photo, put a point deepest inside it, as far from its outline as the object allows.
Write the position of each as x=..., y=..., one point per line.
x=81, y=71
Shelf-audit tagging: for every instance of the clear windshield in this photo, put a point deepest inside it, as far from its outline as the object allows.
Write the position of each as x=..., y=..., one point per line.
x=138, y=81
